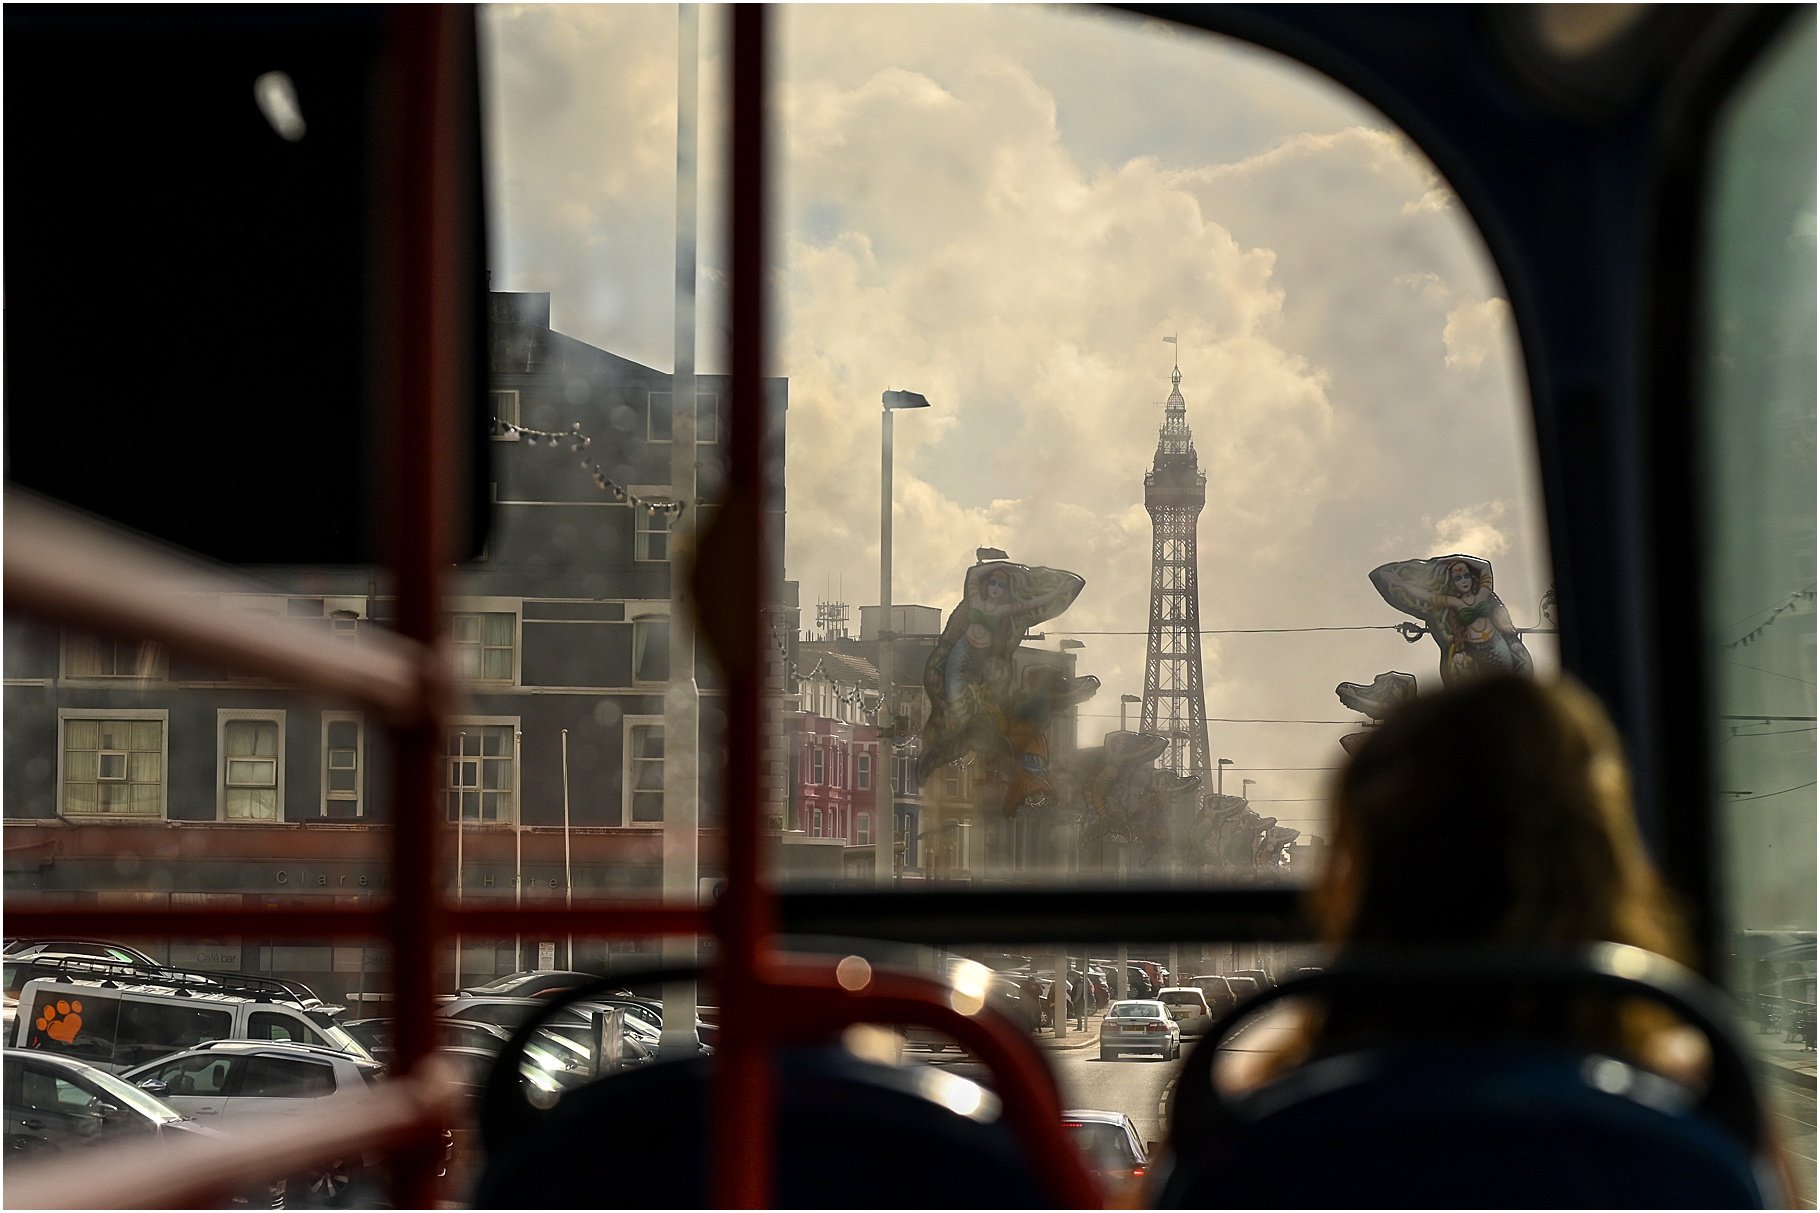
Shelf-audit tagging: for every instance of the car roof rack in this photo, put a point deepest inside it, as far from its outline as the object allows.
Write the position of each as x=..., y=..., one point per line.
x=208, y=981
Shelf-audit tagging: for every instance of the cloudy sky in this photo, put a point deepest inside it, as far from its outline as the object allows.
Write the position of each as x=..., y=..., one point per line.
x=1007, y=209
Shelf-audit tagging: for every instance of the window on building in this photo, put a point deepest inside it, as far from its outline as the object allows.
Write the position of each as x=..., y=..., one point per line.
x=862, y=771
x=954, y=781
x=651, y=648
x=480, y=772
x=862, y=829
x=840, y=768
x=251, y=765
x=645, y=771
x=816, y=759
x=483, y=644
x=815, y=829
x=343, y=761
x=904, y=782
x=86, y=656
x=505, y=404
x=344, y=625
x=707, y=412
x=113, y=764
x=651, y=533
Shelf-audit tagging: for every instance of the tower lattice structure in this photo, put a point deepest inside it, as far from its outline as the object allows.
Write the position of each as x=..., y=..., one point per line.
x=1175, y=490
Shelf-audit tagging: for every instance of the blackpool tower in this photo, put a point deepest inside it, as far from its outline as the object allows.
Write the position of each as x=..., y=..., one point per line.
x=1175, y=489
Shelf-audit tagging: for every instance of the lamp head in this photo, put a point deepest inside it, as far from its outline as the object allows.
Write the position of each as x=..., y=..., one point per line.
x=1131, y=699
x=905, y=400
x=1225, y=762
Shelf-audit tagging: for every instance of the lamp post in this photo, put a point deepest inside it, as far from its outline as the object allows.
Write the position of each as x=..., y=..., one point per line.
x=1123, y=700
x=886, y=831
x=1245, y=789
x=1219, y=787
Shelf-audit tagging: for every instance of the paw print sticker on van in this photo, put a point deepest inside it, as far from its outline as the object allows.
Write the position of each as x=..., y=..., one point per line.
x=62, y=1021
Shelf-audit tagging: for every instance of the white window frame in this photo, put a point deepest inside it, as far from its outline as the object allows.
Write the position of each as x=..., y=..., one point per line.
x=480, y=607
x=705, y=402
x=628, y=767
x=161, y=715
x=149, y=667
x=358, y=799
x=643, y=628
x=225, y=716
x=646, y=523
x=862, y=771
x=473, y=725
x=505, y=404
x=862, y=829
x=817, y=766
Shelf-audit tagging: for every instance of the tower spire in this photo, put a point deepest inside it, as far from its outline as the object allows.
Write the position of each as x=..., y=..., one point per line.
x=1175, y=490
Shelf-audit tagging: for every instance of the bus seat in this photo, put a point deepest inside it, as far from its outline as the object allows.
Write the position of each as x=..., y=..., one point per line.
x=1504, y=1124
x=848, y=1133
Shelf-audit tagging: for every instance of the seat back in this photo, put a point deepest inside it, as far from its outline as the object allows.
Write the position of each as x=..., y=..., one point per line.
x=1506, y=1123
x=846, y=1133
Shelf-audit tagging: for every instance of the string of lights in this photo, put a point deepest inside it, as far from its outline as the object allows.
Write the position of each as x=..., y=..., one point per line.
x=1793, y=602
x=854, y=693
x=579, y=444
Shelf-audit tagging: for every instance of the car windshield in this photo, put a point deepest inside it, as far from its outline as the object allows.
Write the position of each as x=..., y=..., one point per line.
x=1136, y=1010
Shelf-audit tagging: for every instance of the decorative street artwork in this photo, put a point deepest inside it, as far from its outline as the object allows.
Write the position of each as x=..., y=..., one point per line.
x=972, y=700
x=1453, y=598
x=1377, y=700
x=1041, y=692
x=1232, y=841
x=1132, y=799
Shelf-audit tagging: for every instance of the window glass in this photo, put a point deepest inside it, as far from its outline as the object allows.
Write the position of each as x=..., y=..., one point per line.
x=150, y=1030
x=251, y=787
x=71, y=1021
x=113, y=767
x=1756, y=445
x=286, y=1078
x=201, y=1074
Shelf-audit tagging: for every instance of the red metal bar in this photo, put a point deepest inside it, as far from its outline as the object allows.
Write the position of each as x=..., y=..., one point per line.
x=28, y=917
x=742, y=1104
x=432, y=303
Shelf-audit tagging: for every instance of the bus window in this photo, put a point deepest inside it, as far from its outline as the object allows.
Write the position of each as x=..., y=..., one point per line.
x=1756, y=443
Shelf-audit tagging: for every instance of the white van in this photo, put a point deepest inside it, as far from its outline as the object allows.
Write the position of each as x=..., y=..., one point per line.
x=116, y=1023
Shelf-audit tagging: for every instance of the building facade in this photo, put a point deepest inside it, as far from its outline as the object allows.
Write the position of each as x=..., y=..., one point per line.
x=135, y=777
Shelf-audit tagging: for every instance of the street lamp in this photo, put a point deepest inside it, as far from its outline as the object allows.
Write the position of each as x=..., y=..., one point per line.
x=1245, y=789
x=1219, y=786
x=1123, y=700
x=885, y=834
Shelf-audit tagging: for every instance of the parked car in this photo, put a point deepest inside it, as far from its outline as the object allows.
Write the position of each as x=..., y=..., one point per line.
x=1139, y=1026
x=376, y=1036
x=121, y=1021
x=1100, y=988
x=1113, y=1150
x=533, y=983
x=1156, y=973
x=56, y=1104
x=1220, y=998
x=1261, y=976
x=234, y=1080
x=106, y=949
x=1188, y=1006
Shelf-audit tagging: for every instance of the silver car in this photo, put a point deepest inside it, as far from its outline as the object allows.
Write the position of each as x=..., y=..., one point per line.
x=1139, y=1025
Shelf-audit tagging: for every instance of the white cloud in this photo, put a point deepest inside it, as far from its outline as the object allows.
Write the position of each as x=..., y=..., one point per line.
x=1473, y=531
x=1006, y=208
x=1476, y=332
